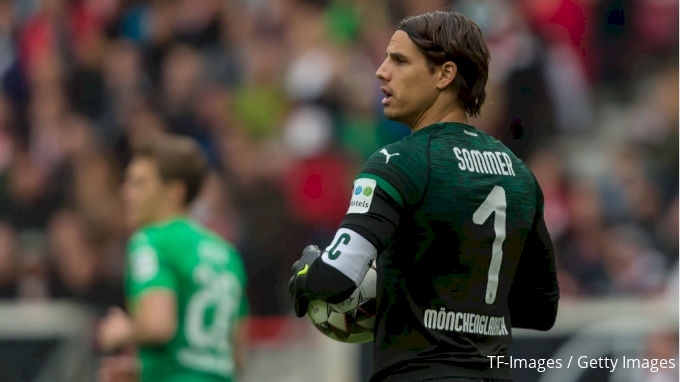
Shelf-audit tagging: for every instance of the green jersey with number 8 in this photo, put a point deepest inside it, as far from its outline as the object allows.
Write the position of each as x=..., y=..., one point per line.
x=207, y=275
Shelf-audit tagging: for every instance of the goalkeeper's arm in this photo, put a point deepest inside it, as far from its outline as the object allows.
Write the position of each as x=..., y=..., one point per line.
x=535, y=292
x=334, y=274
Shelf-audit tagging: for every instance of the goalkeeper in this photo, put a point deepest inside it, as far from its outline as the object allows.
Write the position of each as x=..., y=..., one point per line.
x=185, y=286
x=454, y=219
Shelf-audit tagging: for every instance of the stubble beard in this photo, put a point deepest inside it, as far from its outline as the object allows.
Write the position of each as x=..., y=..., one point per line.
x=405, y=119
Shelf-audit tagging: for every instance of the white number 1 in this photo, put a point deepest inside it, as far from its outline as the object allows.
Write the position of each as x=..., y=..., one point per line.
x=495, y=202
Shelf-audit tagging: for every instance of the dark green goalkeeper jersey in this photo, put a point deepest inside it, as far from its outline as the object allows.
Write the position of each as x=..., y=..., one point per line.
x=469, y=253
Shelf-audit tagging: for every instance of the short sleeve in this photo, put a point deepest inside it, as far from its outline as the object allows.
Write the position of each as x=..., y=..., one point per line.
x=243, y=308
x=148, y=267
x=237, y=267
x=401, y=170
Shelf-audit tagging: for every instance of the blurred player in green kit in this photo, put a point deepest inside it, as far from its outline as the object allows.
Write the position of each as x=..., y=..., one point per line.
x=185, y=286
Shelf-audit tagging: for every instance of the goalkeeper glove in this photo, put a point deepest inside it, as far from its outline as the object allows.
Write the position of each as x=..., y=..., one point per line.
x=298, y=283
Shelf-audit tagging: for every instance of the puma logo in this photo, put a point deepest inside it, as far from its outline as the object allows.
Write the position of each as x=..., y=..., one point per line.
x=387, y=155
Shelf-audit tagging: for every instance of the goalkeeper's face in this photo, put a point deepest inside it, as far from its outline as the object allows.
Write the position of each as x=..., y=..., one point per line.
x=143, y=192
x=410, y=87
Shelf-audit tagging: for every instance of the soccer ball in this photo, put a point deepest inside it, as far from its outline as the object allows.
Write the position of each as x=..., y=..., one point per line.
x=351, y=321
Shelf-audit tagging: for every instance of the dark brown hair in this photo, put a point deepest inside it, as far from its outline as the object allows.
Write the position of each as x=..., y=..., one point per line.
x=178, y=158
x=450, y=36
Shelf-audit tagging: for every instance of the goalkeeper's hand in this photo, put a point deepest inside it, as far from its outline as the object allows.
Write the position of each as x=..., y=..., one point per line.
x=298, y=283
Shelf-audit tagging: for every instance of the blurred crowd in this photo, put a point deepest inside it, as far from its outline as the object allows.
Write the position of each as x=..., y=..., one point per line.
x=282, y=96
